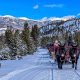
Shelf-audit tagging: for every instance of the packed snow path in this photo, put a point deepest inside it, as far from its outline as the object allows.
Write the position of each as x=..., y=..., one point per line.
x=37, y=67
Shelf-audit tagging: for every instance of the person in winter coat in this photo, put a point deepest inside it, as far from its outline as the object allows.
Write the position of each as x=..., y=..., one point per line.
x=56, y=46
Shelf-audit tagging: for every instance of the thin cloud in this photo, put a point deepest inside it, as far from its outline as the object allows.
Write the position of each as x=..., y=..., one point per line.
x=54, y=5
x=78, y=14
x=36, y=6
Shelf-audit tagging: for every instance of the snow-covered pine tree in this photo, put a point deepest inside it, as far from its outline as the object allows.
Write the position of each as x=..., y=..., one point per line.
x=20, y=46
x=44, y=41
x=2, y=42
x=77, y=37
x=35, y=35
x=10, y=41
x=27, y=39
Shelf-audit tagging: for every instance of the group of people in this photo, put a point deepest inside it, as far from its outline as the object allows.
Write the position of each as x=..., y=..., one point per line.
x=64, y=52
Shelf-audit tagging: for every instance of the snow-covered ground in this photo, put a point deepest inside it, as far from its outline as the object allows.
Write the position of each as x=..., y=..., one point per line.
x=37, y=67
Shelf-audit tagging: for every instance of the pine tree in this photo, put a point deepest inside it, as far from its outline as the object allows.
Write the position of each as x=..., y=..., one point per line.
x=44, y=41
x=17, y=40
x=11, y=43
x=20, y=46
x=35, y=34
x=27, y=39
x=77, y=37
x=2, y=41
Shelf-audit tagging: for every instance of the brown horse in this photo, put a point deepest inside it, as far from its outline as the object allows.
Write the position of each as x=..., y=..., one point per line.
x=74, y=55
x=60, y=56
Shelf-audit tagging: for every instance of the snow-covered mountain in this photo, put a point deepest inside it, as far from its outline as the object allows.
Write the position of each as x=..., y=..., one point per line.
x=52, y=28
x=57, y=18
x=18, y=23
x=8, y=20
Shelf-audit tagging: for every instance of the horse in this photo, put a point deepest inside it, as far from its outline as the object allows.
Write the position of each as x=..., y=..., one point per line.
x=74, y=55
x=67, y=56
x=50, y=48
x=60, y=56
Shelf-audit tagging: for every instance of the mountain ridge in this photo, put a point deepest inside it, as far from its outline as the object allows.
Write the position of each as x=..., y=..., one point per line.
x=18, y=22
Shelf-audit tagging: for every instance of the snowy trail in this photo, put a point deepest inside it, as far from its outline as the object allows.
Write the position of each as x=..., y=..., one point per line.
x=37, y=67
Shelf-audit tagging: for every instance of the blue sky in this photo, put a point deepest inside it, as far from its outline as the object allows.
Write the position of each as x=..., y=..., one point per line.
x=37, y=9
